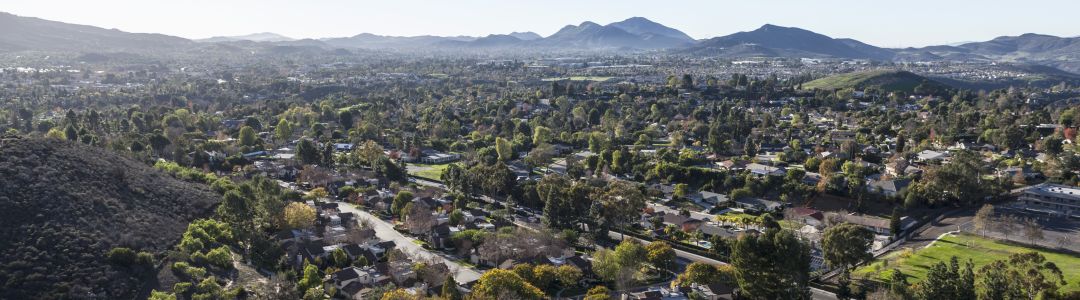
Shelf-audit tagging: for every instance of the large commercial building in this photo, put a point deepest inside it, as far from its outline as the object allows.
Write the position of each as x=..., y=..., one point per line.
x=1054, y=199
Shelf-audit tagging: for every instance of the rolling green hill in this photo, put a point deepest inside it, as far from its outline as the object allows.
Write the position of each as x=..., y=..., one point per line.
x=886, y=80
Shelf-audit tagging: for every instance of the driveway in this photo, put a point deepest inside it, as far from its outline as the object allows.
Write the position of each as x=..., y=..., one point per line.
x=385, y=231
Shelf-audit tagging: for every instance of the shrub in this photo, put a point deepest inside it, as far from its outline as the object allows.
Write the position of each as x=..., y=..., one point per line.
x=188, y=270
x=221, y=257
x=121, y=256
x=145, y=258
x=181, y=288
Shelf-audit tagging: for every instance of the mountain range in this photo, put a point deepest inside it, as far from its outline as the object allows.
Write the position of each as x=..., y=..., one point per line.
x=634, y=34
x=254, y=37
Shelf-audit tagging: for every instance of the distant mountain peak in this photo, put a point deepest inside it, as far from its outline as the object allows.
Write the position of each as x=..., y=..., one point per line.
x=791, y=42
x=588, y=24
x=526, y=36
x=645, y=27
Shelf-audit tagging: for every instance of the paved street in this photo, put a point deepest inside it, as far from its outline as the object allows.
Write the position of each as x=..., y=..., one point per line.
x=385, y=231
x=684, y=257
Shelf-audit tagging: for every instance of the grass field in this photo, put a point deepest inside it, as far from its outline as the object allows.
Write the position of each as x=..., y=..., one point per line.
x=427, y=171
x=980, y=250
x=735, y=217
x=883, y=79
x=580, y=78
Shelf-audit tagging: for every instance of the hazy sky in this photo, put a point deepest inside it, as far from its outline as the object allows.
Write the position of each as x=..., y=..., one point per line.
x=881, y=23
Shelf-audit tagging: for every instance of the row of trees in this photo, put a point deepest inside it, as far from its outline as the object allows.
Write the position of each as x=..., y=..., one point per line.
x=1021, y=276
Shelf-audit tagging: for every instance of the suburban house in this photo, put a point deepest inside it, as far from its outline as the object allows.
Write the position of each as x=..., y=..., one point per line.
x=687, y=224
x=761, y=170
x=666, y=191
x=758, y=204
x=343, y=147
x=931, y=155
x=706, y=197
x=716, y=231
x=432, y=156
x=731, y=165
x=808, y=216
x=888, y=187
x=878, y=225
x=368, y=275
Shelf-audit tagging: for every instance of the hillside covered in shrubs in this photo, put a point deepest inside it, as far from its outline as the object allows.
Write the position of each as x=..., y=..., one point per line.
x=81, y=222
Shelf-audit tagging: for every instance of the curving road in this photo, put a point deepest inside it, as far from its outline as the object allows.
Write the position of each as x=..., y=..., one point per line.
x=385, y=231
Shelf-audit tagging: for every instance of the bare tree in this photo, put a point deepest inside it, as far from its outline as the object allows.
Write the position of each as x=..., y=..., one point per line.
x=521, y=244
x=356, y=235
x=984, y=219
x=1033, y=231
x=1005, y=224
x=419, y=219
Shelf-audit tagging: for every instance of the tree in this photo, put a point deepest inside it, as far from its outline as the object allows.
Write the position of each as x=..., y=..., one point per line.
x=56, y=133
x=368, y=153
x=247, y=136
x=540, y=155
x=1021, y=276
x=456, y=217
x=772, y=265
x=660, y=255
x=340, y=258
x=598, y=293
x=541, y=135
x=984, y=218
x=236, y=210
x=622, y=265
x=283, y=131
x=1033, y=231
x=702, y=273
x=895, y=226
x=418, y=218
x=71, y=133
x=311, y=278
x=630, y=254
x=1005, y=225
x=561, y=209
x=307, y=152
x=846, y=245
x=947, y=282
x=399, y=294
x=156, y=295
x=450, y=289
x=504, y=284
x=400, y=200
x=317, y=193
x=299, y=215
x=345, y=118
x=158, y=142
x=898, y=285
x=567, y=275
x=544, y=276
x=681, y=190
x=620, y=203
x=504, y=149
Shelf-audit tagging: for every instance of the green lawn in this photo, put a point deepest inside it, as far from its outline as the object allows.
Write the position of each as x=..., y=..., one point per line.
x=428, y=171
x=734, y=216
x=980, y=250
